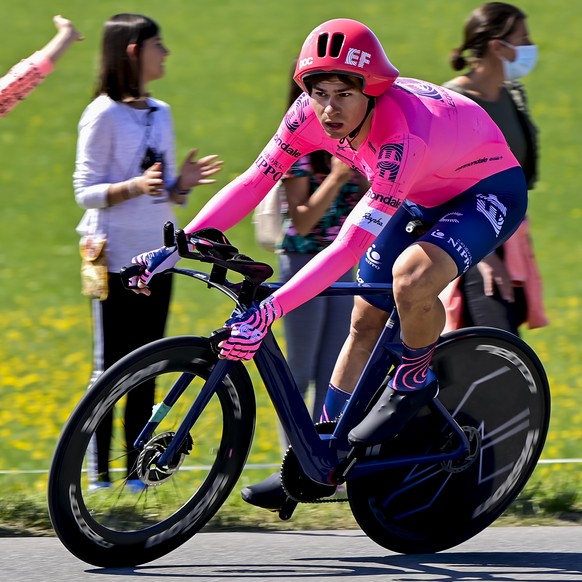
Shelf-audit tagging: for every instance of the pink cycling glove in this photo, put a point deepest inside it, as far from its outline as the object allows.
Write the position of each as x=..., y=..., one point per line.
x=249, y=330
x=156, y=261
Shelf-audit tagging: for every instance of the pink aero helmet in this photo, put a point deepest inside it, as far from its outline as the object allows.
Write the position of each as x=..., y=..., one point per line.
x=346, y=47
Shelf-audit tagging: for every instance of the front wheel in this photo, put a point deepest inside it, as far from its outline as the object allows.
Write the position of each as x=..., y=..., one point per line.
x=495, y=387
x=109, y=503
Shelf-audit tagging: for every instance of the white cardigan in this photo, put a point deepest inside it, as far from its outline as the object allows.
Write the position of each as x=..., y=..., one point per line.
x=112, y=141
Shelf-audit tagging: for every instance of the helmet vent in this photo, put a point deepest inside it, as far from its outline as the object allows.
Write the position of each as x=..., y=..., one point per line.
x=337, y=41
x=322, y=45
x=335, y=46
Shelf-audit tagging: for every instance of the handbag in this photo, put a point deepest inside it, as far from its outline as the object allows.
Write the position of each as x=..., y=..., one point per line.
x=94, y=276
x=268, y=218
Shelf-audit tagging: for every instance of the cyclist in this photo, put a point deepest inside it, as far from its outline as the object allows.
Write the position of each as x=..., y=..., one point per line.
x=429, y=154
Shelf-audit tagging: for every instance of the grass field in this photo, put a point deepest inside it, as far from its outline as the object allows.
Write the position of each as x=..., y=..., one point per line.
x=226, y=81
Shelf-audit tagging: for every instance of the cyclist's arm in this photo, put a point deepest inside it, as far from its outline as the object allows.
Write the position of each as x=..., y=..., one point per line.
x=359, y=231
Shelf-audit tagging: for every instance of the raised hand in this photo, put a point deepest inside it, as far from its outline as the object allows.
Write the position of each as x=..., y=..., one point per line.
x=196, y=172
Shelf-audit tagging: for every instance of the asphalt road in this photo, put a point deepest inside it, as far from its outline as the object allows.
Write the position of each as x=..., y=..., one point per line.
x=505, y=554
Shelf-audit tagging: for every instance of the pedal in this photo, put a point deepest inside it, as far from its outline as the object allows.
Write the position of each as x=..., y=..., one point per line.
x=341, y=471
x=287, y=509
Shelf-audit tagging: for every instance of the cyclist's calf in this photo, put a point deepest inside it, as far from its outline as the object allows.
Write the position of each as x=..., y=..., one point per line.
x=365, y=328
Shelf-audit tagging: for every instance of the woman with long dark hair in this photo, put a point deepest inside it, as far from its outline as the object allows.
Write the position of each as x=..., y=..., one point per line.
x=125, y=177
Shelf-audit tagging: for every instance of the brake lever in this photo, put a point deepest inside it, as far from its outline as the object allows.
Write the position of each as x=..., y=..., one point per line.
x=217, y=336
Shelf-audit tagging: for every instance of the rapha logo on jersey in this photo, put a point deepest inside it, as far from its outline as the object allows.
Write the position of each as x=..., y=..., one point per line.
x=389, y=159
x=451, y=217
x=462, y=250
x=358, y=58
x=495, y=212
x=373, y=258
x=286, y=147
x=389, y=200
x=419, y=88
x=268, y=169
x=372, y=221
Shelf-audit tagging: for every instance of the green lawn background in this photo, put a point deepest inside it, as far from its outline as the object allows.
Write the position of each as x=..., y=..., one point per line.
x=226, y=81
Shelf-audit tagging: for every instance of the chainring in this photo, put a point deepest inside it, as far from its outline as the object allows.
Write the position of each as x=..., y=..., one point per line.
x=296, y=483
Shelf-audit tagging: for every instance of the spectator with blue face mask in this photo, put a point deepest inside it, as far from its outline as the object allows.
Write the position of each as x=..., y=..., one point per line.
x=504, y=290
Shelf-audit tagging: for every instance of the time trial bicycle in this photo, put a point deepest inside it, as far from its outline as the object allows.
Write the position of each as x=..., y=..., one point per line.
x=449, y=474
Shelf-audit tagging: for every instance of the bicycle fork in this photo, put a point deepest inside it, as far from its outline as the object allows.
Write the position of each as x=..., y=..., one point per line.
x=219, y=372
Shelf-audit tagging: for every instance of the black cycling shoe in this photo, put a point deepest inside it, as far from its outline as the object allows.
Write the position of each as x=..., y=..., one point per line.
x=268, y=494
x=391, y=414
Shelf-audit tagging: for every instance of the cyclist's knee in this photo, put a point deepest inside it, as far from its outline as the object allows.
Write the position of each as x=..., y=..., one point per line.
x=420, y=273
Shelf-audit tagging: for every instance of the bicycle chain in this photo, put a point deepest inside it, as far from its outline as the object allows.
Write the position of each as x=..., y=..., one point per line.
x=326, y=500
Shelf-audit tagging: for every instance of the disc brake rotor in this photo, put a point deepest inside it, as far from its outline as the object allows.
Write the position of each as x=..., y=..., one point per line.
x=147, y=469
x=458, y=465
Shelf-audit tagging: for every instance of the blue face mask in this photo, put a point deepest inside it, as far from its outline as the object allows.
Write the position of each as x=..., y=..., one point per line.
x=526, y=57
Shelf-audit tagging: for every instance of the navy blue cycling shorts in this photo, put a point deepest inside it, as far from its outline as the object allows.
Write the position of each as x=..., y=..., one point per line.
x=467, y=227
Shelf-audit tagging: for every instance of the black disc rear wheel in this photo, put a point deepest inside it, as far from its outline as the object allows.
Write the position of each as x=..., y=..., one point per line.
x=496, y=389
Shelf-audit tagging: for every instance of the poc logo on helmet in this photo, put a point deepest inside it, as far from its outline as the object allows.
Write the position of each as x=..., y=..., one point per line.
x=305, y=62
x=357, y=58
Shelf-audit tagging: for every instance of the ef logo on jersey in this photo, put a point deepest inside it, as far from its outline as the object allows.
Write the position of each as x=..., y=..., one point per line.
x=357, y=58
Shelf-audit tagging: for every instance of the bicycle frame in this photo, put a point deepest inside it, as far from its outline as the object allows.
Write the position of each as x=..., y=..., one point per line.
x=319, y=455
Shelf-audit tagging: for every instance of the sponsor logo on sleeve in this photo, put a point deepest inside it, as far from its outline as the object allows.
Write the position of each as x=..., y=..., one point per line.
x=372, y=221
x=295, y=153
x=295, y=116
x=389, y=160
x=390, y=200
x=421, y=88
x=268, y=169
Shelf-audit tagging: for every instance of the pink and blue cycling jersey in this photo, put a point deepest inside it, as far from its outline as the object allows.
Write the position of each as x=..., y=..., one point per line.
x=426, y=145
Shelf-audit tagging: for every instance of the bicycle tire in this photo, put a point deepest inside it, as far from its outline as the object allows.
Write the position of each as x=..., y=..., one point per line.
x=495, y=386
x=113, y=526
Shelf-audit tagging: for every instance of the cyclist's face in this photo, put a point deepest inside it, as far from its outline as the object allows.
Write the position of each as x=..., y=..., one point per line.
x=339, y=108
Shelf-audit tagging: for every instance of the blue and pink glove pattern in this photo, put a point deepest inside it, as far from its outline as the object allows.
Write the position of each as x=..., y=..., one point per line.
x=249, y=330
x=156, y=261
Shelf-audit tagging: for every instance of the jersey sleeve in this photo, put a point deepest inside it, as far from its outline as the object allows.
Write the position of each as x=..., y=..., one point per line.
x=21, y=80
x=360, y=229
